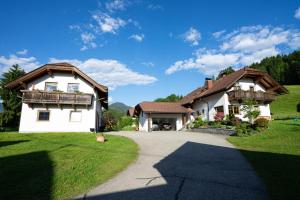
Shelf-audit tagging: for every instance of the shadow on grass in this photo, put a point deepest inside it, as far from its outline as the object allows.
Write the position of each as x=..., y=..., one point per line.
x=26, y=176
x=7, y=143
x=193, y=171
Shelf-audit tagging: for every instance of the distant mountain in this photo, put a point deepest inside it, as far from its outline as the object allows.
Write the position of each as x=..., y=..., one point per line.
x=119, y=106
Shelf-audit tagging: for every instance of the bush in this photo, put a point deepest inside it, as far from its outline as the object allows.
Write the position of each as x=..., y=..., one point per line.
x=244, y=129
x=128, y=128
x=232, y=120
x=261, y=123
x=198, y=122
x=124, y=121
x=219, y=116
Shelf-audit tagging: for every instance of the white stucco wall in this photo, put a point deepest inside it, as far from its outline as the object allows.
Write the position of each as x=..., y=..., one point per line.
x=143, y=121
x=59, y=118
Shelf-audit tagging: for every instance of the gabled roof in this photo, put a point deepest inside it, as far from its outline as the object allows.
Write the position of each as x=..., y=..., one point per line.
x=161, y=107
x=228, y=81
x=59, y=67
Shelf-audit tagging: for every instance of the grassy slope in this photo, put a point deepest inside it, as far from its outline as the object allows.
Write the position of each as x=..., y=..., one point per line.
x=59, y=166
x=285, y=105
x=275, y=153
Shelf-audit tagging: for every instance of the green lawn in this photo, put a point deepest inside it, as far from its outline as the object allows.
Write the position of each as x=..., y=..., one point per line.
x=285, y=105
x=275, y=155
x=59, y=165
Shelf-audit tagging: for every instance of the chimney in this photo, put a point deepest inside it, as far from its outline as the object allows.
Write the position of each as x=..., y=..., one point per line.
x=208, y=83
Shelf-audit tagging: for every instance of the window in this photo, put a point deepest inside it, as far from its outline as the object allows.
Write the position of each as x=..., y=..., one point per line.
x=219, y=109
x=203, y=111
x=75, y=116
x=73, y=87
x=43, y=115
x=50, y=86
x=251, y=88
x=233, y=109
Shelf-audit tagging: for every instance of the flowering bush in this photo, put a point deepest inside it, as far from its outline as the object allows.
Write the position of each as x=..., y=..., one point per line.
x=219, y=116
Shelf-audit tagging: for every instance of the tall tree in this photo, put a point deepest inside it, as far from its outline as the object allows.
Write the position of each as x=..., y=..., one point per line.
x=12, y=104
x=225, y=72
x=170, y=98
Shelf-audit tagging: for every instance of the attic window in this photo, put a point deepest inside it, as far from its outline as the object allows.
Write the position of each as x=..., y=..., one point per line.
x=73, y=87
x=50, y=86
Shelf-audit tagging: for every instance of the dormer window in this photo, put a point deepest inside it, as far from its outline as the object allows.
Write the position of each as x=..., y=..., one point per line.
x=50, y=86
x=73, y=87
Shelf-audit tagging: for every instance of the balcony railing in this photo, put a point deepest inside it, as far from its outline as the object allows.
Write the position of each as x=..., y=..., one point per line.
x=241, y=95
x=42, y=97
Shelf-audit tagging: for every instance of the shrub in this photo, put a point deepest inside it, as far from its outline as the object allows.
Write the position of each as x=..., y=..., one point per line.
x=244, y=129
x=261, y=123
x=198, y=122
x=219, y=116
x=128, y=128
x=124, y=121
x=232, y=120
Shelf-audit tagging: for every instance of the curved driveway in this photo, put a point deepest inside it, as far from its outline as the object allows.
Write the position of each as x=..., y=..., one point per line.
x=182, y=165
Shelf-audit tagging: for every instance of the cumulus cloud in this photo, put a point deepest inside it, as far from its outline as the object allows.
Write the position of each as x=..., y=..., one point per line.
x=240, y=47
x=116, y=5
x=22, y=52
x=111, y=73
x=297, y=13
x=108, y=24
x=88, y=41
x=218, y=34
x=137, y=37
x=148, y=64
x=155, y=7
x=27, y=63
x=192, y=36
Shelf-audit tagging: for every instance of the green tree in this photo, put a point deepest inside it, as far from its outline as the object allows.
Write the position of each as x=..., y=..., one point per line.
x=12, y=104
x=170, y=98
x=225, y=71
x=250, y=110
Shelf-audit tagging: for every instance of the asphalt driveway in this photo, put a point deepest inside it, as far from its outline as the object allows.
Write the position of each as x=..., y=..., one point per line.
x=182, y=165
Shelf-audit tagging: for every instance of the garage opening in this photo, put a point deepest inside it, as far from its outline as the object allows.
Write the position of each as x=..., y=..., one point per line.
x=164, y=124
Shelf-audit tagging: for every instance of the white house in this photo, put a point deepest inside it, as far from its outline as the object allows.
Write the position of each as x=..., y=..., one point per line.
x=225, y=95
x=60, y=98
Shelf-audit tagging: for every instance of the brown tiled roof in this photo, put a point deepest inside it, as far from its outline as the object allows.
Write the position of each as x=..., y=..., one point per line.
x=161, y=107
x=59, y=67
x=189, y=98
x=228, y=81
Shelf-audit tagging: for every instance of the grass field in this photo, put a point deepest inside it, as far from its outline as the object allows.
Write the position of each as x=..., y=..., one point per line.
x=59, y=165
x=285, y=105
x=275, y=153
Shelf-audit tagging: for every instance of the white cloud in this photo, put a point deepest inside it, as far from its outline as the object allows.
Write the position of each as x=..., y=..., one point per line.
x=108, y=24
x=207, y=63
x=218, y=34
x=111, y=73
x=22, y=52
x=297, y=13
x=137, y=37
x=88, y=41
x=192, y=36
x=110, y=100
x=26, y=63
x=241, y=47
x=115, y=5
x=148, y=64
x=155, y=7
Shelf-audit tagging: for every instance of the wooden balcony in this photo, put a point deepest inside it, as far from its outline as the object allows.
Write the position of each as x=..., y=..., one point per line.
x=59, y=98
x=242, y=95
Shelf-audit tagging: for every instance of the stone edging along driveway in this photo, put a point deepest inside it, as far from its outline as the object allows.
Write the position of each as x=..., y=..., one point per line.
x=183, y=165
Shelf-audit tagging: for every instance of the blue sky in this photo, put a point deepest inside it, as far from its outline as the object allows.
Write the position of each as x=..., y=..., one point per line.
x=143, y=50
